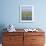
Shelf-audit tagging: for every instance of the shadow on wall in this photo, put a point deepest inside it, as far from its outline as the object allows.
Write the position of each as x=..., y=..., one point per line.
x=2, y=26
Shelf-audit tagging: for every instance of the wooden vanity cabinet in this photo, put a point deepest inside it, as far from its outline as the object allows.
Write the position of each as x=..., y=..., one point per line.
x=23, y=39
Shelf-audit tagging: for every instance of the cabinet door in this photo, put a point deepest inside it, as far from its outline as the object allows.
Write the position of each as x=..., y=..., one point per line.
x=13, y=40
x=27, y=40
x=37, y=40
x=33, y=39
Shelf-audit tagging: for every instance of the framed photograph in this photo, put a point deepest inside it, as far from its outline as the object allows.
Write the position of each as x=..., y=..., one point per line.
x=26, y=13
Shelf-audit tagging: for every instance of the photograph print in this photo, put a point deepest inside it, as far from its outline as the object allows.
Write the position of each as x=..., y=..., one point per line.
x=26, y=13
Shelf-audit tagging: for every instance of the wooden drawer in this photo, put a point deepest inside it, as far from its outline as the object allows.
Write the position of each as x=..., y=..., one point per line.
x=12, y=39
x=37, y=45
x=34, y=33
x=13, y=33
x=13, y=44
x=37, y=39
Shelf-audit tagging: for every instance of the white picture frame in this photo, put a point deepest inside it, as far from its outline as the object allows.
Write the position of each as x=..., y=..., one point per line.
x=27, y=13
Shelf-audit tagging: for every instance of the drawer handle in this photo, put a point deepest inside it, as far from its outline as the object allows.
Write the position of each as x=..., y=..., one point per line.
x=33, y=39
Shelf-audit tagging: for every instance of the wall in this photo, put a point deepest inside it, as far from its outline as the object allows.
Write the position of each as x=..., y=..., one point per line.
x=9, y=13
